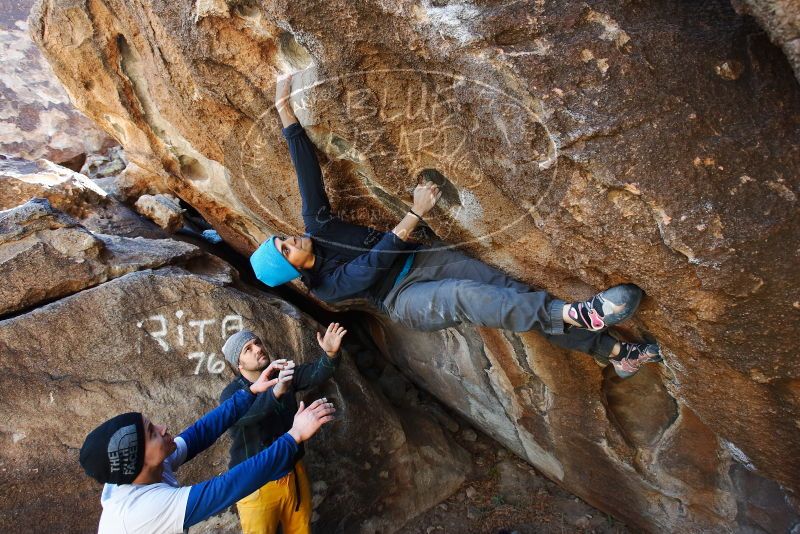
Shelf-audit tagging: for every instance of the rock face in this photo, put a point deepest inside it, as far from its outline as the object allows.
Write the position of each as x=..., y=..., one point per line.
x=37, y=119
x=626, y=446
x=73, y=193
x=163, y=210
x=578, y=146
x=149, y=340
x=781, y=19
x=47, y=255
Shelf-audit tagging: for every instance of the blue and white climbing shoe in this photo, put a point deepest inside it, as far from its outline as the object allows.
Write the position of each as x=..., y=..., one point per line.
x=632, y=356
x=605, y=309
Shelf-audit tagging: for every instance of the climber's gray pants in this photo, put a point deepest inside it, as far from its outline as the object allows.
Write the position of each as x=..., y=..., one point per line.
x=445, y=288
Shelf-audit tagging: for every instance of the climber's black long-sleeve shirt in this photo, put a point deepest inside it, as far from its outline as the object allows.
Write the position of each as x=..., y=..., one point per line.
x=269, y=418
x=352, y=261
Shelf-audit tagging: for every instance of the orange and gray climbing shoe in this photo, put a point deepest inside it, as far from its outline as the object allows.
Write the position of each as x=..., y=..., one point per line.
x=632, y=356
x=608, y=308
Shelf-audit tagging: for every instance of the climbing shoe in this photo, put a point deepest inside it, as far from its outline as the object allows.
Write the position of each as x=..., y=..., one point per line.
x=605, y=309
x=632, y=356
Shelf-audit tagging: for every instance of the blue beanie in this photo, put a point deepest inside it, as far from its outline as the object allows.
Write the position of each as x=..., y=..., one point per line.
x=270, y=266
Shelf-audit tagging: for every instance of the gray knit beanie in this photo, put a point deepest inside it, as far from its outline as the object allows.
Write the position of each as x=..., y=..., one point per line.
x=232, y=348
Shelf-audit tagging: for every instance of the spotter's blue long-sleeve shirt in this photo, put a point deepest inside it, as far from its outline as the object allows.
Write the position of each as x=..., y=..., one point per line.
x=165, y=507
x=352, y=261
x=214, y=495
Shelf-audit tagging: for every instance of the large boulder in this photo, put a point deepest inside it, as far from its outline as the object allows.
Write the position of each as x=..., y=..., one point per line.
x=164, y=210
x=150, y=341
x=577, y=146
x=37, y=119
x=620, y=445
x=72, y=193
x=47, y=254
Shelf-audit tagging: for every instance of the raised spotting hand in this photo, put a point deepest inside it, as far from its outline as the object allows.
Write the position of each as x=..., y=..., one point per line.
x=332, y=339
x=264, y=382
x=308, y=420
x=285, y=376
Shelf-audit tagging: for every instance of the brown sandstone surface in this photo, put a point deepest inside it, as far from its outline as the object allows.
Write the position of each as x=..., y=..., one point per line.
x=781, y=20
x=578, y=145
x=163, y=210
x=37, y=119
x=149, y=340
x=47, y=254
x=72, y=193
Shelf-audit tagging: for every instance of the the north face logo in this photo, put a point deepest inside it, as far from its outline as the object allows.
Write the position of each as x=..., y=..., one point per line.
x=123, y=448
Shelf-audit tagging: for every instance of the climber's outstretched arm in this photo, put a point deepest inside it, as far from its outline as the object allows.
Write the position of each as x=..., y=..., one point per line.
x=316, y=208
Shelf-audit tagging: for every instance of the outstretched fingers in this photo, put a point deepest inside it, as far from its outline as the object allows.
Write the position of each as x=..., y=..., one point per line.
x=276, y=365
x=286, y=375
x=324, y=413
x=309, y=419
x=324, y=409
x=314, y=405
x=337, y=330
x=332, y=338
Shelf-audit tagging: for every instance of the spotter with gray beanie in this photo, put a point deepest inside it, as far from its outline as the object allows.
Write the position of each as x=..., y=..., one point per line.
x=136, y=459
x=429, y=287
x=286, y=501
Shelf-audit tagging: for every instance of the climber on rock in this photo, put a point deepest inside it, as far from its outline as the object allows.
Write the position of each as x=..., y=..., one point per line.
x=136, y=459
x=285, y=501
x=429, y=288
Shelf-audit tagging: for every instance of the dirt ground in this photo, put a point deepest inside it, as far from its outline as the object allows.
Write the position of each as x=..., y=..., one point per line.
x=504, y=495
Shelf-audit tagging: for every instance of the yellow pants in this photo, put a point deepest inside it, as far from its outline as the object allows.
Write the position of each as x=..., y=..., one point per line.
x=275, y=502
